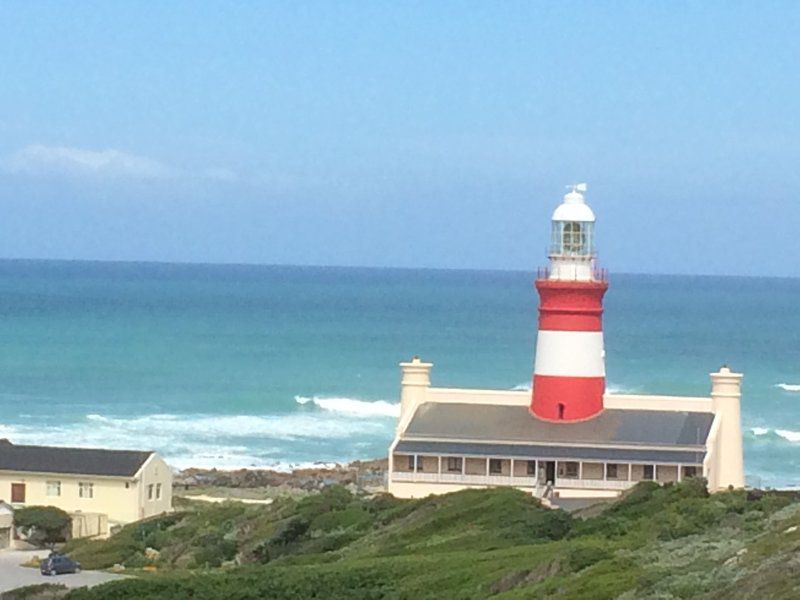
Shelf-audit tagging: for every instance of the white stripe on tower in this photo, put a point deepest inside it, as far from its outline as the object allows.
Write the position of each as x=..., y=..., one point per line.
x=570, y=354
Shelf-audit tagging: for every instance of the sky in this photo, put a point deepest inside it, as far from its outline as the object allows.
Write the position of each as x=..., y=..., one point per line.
x=404, y=134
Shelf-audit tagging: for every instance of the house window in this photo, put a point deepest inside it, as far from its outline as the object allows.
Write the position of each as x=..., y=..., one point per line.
x=158, y=491
x=690, y=472
x=569, y=469
x=495, y=466
x=150, y=491
x=53, y=488
x=454, y=464
x=85, y=489
x=649, y=472
x=612, y=471
x=127, y=485
x=531, y=467
x=411, y=463
x=419, y=463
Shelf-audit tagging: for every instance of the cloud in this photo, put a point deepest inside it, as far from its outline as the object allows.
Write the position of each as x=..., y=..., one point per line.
x=38, y=158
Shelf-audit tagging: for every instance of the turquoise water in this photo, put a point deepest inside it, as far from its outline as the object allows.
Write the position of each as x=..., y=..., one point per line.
x=235, y=366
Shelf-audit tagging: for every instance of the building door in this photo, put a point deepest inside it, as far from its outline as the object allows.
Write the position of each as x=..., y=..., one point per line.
x=18, y=493
x=550, y=470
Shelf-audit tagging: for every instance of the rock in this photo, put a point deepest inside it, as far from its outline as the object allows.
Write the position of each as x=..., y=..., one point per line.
x=791, y=529
x=356, y=476
x=118, y=568
x=152, y=554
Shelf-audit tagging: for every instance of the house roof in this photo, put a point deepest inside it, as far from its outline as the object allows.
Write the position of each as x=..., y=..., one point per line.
x=613, y=427
x=71, y=461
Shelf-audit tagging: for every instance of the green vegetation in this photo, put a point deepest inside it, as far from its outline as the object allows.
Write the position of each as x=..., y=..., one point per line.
x=42, y=591
x=42, y=525
x=658, y=542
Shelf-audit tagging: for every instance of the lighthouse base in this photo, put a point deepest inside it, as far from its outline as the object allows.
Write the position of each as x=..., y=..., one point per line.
x=567, y=399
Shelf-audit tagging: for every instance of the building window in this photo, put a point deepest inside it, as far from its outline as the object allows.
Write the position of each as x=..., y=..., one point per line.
x=454, y=464
x=649, y=472
x=85, y=489
x=53, y=488
x=495, y=466
x=127, y=485
x=568, y=469
x=420, y=464
x=150, y=491
x=158, y=491
x=531, y=467
x=411, y=463
x=689, y=472
x=612, y=471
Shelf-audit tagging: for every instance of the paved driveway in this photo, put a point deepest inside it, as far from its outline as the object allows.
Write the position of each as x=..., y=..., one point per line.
x=12, y=575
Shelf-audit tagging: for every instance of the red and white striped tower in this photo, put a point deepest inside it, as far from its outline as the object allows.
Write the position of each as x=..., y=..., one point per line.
x=569, y=372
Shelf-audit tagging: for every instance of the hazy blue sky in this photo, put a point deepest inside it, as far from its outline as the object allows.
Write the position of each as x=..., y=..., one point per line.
x=435, y=134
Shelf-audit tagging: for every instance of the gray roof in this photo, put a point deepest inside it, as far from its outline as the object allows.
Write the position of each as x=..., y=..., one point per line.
x=71, y=461
x=615, y=435
x=532, y=451
x=612, y=427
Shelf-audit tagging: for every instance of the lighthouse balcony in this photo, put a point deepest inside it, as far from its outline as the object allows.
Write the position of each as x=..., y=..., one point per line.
x=573, y=272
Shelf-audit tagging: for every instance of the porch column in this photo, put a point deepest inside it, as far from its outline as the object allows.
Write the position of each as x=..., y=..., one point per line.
x=487, y=467
x=440, y=466
x=511, y=472
x=605, y=471
x=580, y=469
x=679, y=473
x=463, y=465
x=655, y=472
x=629, y=471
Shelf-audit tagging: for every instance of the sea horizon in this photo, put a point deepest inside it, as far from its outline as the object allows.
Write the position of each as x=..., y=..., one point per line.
x=520, y=270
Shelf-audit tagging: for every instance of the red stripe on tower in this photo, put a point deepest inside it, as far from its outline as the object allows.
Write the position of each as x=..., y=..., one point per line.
x=569, y=371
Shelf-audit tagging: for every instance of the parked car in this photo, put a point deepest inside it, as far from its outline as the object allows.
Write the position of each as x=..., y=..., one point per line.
x=56, y=564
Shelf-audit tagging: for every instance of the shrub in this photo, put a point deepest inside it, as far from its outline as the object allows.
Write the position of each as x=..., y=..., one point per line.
x=585, y=554
x=43, y=524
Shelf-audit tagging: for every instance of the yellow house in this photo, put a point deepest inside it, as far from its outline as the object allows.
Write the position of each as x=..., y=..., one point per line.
x=96, y=487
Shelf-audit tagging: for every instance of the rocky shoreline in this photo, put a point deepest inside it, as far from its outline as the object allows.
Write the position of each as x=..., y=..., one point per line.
x=366, y=475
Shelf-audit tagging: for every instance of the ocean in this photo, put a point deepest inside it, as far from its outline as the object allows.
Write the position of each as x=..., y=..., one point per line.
x=258, y=366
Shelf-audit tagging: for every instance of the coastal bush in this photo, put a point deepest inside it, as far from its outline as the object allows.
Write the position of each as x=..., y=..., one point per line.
x=42, y=525
x=585, y=553
x=41, y=591
x=657, y=542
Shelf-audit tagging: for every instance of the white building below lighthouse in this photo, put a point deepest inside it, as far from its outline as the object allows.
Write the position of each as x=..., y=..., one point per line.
x=568, y=439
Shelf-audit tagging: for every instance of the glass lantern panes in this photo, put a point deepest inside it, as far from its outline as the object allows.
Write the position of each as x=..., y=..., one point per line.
x=573, y=238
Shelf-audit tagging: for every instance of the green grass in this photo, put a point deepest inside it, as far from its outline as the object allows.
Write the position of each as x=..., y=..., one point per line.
x=658, y=542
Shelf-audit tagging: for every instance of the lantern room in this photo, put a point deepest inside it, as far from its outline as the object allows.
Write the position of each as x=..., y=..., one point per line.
x=572, y=241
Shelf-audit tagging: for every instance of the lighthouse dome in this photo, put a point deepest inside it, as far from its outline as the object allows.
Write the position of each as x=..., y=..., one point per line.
x=574, y=207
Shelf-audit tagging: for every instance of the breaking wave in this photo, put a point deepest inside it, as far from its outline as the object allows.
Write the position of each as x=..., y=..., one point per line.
x=350, y=406
x=788, y=387
x=279, y=441
x=786, y=434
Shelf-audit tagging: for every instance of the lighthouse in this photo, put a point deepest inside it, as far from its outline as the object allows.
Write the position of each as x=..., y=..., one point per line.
x=569, y=369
